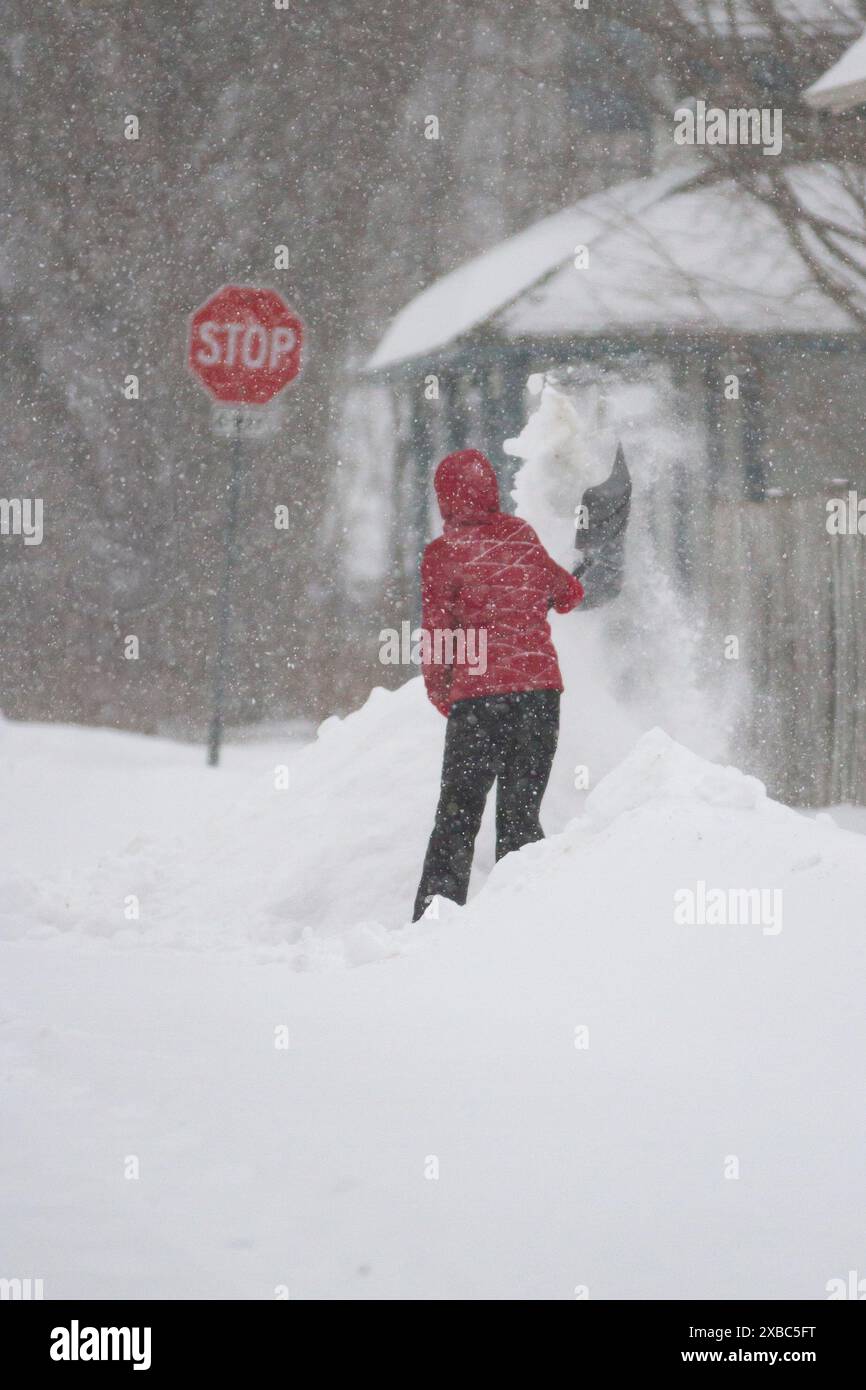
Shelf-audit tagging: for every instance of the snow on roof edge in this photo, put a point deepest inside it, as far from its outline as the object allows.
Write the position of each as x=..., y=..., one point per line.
x=472, y=293
x=844, y=84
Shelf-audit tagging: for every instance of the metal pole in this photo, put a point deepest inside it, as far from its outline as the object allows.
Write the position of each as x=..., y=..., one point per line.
x=216, y=724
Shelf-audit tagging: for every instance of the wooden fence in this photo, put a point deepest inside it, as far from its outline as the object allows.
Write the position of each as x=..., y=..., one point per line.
x=795, y=598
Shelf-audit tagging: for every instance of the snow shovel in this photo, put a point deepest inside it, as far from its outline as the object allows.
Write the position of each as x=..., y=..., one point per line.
x=601, y=532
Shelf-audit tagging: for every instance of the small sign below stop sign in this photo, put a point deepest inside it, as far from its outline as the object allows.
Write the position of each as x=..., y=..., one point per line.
x=245, y=344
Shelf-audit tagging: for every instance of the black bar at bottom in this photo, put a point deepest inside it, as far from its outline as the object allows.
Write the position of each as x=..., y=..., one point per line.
x=226, y=1338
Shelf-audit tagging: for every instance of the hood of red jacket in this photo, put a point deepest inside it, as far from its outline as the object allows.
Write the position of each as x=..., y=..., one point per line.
x=466, y=487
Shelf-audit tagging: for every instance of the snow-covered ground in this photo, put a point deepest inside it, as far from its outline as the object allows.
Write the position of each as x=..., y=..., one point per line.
x=565, y=1158
x=231, y=1069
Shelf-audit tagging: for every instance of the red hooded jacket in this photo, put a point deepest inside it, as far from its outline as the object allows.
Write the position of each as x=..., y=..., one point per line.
x=487, y=582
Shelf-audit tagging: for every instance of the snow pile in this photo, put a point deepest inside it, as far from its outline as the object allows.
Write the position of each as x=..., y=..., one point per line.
x=277, y=845
x=666, y=819
x=659, y=768
x=308, y=854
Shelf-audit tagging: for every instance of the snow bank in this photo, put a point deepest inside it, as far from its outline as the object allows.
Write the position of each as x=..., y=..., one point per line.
x=318, y=871
x=665, y=819
x=277, y=845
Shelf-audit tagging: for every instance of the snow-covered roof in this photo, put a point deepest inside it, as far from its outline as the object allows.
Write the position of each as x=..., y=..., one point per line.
x=664, y=254
x=702, y=260
x=844, y=84
x=469, y=295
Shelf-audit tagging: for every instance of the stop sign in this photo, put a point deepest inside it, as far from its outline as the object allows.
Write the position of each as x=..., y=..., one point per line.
x=245, y=344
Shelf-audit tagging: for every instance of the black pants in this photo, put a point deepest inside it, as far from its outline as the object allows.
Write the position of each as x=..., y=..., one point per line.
x=509, y=738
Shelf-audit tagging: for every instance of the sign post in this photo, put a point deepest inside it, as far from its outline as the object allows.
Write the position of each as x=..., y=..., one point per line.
x=244, y=347
x=215, y=732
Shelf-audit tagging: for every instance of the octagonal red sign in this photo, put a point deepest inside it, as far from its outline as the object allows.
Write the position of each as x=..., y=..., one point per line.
x=245, y=344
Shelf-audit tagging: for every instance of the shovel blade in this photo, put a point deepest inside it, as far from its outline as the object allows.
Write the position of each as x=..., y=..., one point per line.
x=607, y=507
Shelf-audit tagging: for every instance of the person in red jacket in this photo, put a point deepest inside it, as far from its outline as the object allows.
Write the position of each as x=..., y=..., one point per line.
x=487, y=585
